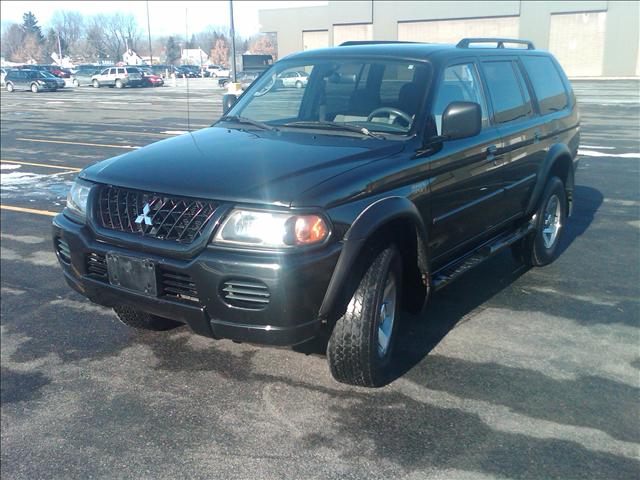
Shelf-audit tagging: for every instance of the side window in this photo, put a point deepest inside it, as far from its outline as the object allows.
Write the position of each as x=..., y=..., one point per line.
x=121, y=71
x=507, y=91
x=459, y=83
x=547, y=83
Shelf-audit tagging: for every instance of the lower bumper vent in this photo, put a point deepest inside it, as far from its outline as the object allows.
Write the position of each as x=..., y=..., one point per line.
x=250, y=294
x=63, y=250
x=178, y=286
x=97, y=266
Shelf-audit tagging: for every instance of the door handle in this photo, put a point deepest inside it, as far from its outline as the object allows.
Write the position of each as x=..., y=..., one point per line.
x=537, y=136
x=491, y=153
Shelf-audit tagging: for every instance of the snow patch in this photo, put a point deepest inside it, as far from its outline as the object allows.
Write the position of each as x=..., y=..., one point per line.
x=593, y=153
x=9, y=166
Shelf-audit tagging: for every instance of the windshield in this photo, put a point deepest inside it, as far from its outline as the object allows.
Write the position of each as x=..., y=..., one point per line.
x=378, y=95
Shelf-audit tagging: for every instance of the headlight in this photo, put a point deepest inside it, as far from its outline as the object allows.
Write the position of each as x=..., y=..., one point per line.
x=260, y=228
x=77, y=198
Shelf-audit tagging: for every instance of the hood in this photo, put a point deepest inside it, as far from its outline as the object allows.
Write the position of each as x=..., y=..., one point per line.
x=240, y=166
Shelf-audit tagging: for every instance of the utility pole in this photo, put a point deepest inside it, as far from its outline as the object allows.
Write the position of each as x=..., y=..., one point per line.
x=59, y=48
x=149, y=31
x=233, y=44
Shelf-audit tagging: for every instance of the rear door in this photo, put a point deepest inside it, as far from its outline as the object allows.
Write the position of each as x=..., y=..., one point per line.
x=520, y=128
x=466, y=188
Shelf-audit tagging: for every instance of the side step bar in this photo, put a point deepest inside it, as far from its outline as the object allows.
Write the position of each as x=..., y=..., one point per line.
x=455, y=269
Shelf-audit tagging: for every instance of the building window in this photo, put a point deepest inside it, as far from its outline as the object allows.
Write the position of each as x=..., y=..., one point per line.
x=577, y=41
x=353, y=32
x=451, y=31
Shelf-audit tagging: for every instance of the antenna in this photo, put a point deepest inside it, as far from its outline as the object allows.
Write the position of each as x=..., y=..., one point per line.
x=186, y=76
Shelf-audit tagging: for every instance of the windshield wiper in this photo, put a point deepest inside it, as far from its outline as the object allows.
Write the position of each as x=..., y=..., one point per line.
x=334, y=126
x=248, y=121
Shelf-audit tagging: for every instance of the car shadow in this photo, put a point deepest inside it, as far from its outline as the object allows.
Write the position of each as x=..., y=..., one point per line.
x=461, y=300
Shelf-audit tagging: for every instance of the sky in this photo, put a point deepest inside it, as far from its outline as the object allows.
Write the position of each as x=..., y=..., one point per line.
x=166, y=17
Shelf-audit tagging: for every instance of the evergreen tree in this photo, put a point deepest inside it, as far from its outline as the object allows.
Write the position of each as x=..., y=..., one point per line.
x=30, y=26
x=172, y=51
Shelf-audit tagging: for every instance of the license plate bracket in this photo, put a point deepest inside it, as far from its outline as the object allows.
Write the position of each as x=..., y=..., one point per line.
x=135, y=274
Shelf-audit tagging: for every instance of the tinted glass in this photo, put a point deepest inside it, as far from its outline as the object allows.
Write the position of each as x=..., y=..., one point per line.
x=132, y=70
x=505, y=87
x=343, y=91
x=460, y=83
x=547, y=83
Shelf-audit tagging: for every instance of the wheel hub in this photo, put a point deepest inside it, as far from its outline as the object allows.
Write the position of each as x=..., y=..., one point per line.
x=387, y=315
x=552, y=221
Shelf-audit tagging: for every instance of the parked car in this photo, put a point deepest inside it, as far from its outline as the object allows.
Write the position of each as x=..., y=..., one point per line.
x=3, y=73
x=84, y=75
x=244, y=79
x=294, y=79
x=150, y=79
x=59, y=72
x=192, y=70
x=164, y=71
x=118, y=77
x=59, y=81
x=218, y=71
x=183, y=72
x=328, y=210
x=22, y=79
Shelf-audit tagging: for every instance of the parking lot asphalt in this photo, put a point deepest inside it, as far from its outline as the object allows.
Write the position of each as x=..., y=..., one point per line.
x=510, y=373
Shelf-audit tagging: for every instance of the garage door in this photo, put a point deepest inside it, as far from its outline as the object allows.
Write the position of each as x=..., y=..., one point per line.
x=344, y=33
x=315, y=39
x=577, y=41
x=451, y=31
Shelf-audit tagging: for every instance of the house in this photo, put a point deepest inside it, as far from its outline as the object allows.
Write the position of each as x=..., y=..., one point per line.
x=194, y=56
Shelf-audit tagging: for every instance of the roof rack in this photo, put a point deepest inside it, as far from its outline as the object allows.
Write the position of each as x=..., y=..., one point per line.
x=370, y=42
x=465, y=42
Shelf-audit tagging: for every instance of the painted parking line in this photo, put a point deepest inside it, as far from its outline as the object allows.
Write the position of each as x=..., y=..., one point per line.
x=58, y=167
x=44, y=140
x=28, y=210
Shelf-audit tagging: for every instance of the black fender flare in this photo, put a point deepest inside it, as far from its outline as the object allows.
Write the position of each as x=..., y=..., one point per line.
x=555, y=152
x=372, y=218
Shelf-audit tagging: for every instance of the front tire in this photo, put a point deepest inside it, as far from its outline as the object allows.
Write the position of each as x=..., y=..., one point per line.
x=361, y=344
x=35, y=88
x=144, y=321
x=96, y=84
x=541, y=247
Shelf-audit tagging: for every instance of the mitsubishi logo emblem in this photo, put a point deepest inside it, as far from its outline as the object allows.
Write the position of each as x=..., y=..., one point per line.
x=144, y=216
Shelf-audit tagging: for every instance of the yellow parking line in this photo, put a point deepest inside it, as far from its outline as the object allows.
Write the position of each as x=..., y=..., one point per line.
x=29, y=210
x=59, y=167
x=43, y=140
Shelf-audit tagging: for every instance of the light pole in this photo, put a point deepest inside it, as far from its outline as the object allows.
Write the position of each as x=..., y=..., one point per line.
x=233, y=44
x=149, y=31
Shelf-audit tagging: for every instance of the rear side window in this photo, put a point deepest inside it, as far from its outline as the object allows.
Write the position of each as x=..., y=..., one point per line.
x=509, y=97
x=547, y=83
x=121, y=70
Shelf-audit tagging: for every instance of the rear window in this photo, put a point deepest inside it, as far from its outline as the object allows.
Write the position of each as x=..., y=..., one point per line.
x=547, y=83
x=509, y=97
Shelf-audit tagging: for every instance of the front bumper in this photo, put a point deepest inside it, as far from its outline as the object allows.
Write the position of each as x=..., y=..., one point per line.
x=296, y=283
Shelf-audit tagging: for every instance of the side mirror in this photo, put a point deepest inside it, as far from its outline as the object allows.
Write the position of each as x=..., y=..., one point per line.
x=228, y=101
x=461, y=120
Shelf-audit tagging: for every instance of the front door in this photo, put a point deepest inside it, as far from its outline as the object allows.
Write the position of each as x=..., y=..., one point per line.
x=466, y=186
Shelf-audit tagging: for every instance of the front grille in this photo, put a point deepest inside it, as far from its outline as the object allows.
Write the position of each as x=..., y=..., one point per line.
x=250, y=294
x=64, y=253
x=153, y=215
x=179, y=286
x=97, y=266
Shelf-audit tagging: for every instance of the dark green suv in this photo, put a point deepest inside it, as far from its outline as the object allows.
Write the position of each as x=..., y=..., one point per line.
x=321, y=212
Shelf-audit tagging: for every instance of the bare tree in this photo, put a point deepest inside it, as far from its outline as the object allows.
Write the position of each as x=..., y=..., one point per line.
x=70, y=27
x=12, y=40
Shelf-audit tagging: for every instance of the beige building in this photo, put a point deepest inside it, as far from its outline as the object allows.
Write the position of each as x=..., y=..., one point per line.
x=589, y=38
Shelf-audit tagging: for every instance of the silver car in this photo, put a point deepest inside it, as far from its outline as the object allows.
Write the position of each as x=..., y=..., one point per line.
x=118, y=77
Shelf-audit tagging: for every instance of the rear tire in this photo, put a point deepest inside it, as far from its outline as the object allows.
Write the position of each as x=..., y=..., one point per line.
x=76, y=83
x=35, y=88
x=541, y=247
x=119, y=83
x=361, y=344
x=144, y=321
x=298, y=84
x=96, y=84
x=10, y=87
